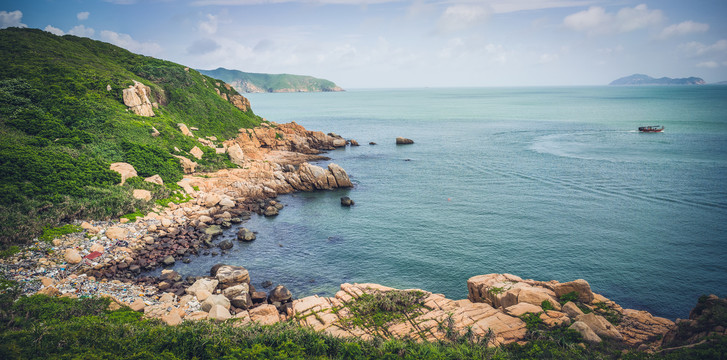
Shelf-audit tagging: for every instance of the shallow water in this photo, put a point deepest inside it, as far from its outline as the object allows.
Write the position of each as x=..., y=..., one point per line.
x=544, y=183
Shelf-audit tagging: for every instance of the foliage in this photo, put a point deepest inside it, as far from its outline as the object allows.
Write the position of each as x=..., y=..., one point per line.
x=532, y=320
x=63, y=122
x=613, y=316
x=546, y=305
x=12, y=250
x=374, y=311
x=52, y=233
x=496, y=290
x=571, y=296
x=41, y=327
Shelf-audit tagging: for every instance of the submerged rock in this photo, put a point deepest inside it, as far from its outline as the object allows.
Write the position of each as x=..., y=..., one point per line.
x=244, y=234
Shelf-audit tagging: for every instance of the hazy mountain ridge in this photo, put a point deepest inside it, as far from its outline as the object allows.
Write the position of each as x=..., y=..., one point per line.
x=641, y=79
x=245, y=82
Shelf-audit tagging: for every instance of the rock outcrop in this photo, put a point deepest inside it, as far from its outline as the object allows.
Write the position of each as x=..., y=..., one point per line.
x=126, y=170
x=403, y=141
x=136, y=97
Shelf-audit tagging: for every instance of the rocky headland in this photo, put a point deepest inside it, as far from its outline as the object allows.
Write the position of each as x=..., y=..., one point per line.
x=108, y=258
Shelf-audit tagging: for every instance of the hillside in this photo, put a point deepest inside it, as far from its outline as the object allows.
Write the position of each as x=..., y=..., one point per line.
x=63, y=121
x=255, y=83
x=640, y=79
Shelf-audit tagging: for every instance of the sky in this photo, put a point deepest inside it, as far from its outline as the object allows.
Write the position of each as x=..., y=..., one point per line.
x=402, y=44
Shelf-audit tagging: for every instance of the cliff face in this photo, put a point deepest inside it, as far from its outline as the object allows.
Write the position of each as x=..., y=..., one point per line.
x=640, y=79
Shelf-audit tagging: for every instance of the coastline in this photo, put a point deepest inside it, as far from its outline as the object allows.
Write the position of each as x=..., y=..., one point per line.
x=275, y=162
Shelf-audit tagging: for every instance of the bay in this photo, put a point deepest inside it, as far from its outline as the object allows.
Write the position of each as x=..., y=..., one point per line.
x=543, y=183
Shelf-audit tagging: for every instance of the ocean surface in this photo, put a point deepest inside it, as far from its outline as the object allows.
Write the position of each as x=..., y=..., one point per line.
x=544, y=183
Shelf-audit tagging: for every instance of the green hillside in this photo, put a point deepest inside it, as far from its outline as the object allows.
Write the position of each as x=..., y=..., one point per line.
x=63, y=122
x=254, y=82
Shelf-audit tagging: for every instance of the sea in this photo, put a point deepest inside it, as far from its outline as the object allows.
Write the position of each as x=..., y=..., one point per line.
x=547, y=183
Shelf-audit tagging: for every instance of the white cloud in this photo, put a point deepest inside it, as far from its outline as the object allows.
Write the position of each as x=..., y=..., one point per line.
x=548, y=58
x=496, y=53
x=508, y=6
x=127, y=42
x=708, y=64
x=461, y=17
x=83, y=15
x=258, y=2
x=80, y=30
x=54, y=30
x=209, y=26
x=695, y=48
x=683, y=28
x=11, y=19
x=596, y=20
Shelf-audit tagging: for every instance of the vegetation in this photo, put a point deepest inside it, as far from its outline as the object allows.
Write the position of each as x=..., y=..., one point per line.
x=375, y=311
x=254, y=82
x=51, y=233
x=41, y=327
x=63, y=122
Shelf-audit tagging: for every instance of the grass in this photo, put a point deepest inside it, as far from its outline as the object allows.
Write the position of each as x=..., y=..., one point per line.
x=41, y=327
x=51, y=233
x=377, y=310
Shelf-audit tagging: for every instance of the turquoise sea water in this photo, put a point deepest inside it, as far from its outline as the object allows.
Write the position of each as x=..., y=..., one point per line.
x=544, y=183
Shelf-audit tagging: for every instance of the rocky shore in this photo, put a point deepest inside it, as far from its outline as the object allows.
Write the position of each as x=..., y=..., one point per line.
x=107, y=259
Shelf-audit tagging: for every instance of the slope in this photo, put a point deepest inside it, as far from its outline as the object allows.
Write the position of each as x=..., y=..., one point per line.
x=63, y=121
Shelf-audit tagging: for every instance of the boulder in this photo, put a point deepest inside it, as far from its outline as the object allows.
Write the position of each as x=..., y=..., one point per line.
x=227, y=202
x=156, y=179
x=202, y=294
x=340, y=175
x=280, y=294
x=265, y=315
x=126, y=170
x=245, y=234
x=172, y=318
x=187, y=165
x=136, y=97
x=600, y=326
x=219, y=313
x=96, y=247
x=242, y=301
x=72, y=256
x=225, y=245
x=346, y=201
x=353, y=142
x=403, y=141
x=586, y=332
x=213, y=230
x=236, y=290
x=522, y=308
x=580, y=286
x=229, y=275
x=215, y=300
x=236, y=155
x=168, y=261
x=116, y=233
x=138, y=305
x=212, y=199
x=572, y=310
x=185, y=129
x=271, y=211
x=142, y=194
x=196, y=152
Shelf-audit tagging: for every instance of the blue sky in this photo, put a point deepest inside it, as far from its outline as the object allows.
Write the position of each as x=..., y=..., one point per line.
x=421, y=43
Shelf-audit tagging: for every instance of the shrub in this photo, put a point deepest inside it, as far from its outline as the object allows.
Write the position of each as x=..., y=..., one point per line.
x=52, y=233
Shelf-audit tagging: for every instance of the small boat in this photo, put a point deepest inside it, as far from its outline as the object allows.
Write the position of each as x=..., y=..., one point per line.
x=651, y=129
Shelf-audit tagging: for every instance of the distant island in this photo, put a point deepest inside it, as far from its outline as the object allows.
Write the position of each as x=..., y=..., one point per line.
x=245, y=82
x=641, y=79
